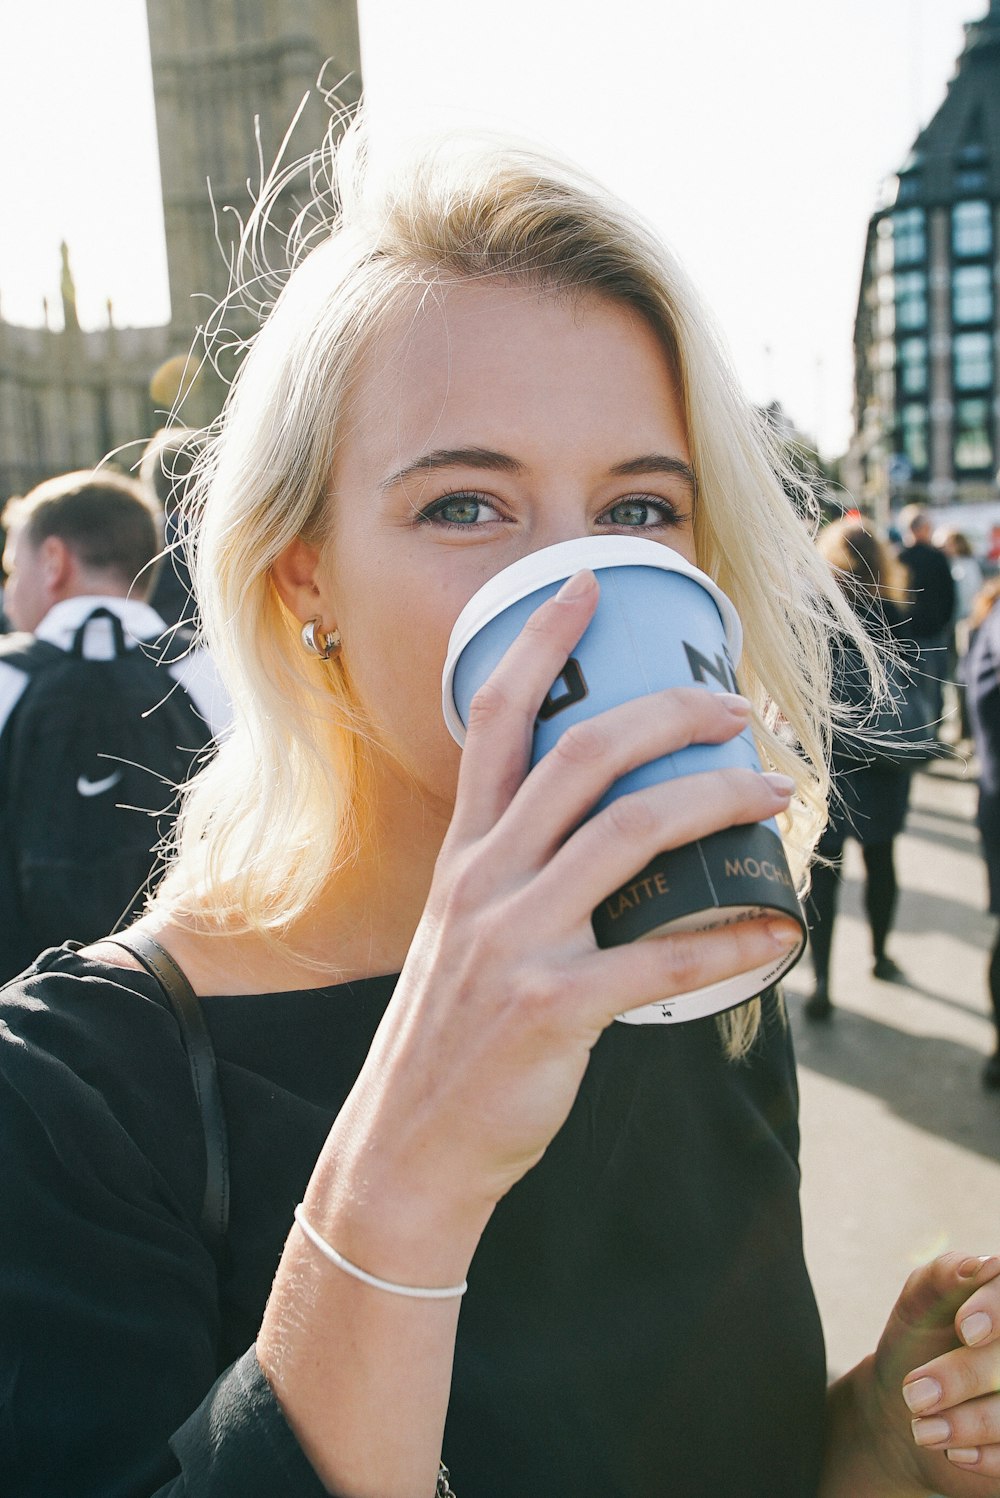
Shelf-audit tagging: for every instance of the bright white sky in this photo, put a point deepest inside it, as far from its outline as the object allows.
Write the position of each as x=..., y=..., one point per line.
x=753, y=133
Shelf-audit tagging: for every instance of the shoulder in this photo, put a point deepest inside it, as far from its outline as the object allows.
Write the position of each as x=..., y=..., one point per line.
x=21, y=657
x=93, y=1071
x=77, y=1009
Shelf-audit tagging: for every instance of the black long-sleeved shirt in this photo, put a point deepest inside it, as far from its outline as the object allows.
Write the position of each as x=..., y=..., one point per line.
x=639, y=1319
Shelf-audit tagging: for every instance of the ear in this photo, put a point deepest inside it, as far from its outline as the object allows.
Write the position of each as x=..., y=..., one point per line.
x=59, y=568
x=295, y=572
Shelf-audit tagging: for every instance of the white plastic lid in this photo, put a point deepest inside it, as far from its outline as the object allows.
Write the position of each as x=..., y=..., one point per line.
x=554, y=564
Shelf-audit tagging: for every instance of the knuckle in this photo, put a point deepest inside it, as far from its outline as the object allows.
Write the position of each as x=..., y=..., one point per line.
x=964, y=1385
x=631, y=818
x=489, y=704
x=683, y=962
x=582, y=743
x=536, y=991
x=914, y=1280
x=463, y=891
x=979, y=1423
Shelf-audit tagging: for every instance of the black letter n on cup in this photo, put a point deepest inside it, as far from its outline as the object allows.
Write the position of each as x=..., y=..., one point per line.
x=568, y=687
x=720, y=668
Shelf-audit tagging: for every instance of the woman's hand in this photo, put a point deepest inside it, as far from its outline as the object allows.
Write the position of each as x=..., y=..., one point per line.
x=945, y=1329
x=504, y=991
x=927, y=1405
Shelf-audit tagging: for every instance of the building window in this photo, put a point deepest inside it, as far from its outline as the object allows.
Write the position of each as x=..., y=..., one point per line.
x=973, y=448
x=971, y=228
x=914, y=424
x=909, y=236
x=973, y=359
x=971, y=295
x=970, y=159
x=969, y=179
x=913, y=366
x=910, y=185
x=911, y=299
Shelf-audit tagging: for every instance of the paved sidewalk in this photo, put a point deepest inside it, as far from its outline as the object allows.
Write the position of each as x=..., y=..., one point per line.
x=900, y=1144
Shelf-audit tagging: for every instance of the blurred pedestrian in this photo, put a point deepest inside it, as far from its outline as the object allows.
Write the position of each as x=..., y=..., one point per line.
x=94, y=724
x=968, y=578
x=869, y=794
x=166, y=469
x=982, y=682
x=929, y=605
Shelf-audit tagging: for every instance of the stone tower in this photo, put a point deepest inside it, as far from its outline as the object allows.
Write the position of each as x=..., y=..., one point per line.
x=71, y=397
x=215, y=68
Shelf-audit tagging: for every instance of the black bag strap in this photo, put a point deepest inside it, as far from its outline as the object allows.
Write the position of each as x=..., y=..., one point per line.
x=204, y=1074
x=117, y=634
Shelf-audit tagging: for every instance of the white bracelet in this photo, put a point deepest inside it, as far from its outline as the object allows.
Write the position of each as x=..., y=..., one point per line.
x=415, y=1292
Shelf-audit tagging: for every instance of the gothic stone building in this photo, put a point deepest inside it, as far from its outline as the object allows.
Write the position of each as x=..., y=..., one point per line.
x=70, y=397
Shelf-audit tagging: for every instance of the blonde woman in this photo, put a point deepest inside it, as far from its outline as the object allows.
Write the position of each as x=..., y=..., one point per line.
x=419, y=1071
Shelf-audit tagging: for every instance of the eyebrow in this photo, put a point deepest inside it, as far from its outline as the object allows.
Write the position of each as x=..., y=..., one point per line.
x=497, y=462
x=658, y=463
x=455, y=457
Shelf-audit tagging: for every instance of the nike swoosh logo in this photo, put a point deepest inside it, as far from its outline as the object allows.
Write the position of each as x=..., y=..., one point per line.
x=95, y=787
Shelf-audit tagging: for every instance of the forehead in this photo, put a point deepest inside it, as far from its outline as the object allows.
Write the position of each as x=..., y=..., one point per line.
x=486, y=355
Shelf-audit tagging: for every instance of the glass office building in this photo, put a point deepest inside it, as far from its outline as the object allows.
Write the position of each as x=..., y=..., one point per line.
x=927, y=337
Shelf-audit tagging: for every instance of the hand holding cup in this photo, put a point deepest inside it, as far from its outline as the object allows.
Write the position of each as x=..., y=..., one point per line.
x=660, y=623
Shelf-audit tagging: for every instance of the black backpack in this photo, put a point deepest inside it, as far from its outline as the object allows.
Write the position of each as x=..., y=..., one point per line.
x=89, y=765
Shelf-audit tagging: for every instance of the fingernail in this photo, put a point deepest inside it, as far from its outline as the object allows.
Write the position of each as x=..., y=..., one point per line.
x=975, y=1328
x=931, y=1432
x=734, y=703
x=969, y=1268
x=922, y=1394
x=577, y=586
x=783, y=784
x=784, y=936
x=963, y=1456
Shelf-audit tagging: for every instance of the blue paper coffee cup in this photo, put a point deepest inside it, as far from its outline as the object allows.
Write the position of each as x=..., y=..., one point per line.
x=660, y=622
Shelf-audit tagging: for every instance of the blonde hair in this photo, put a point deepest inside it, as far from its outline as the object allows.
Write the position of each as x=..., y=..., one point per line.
x=282, y=806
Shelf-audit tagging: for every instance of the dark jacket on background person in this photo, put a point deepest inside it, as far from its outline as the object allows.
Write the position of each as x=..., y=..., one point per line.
x=870, y=798
x=931, y=594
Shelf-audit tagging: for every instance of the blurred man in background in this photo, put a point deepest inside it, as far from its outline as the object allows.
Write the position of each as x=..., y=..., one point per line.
x=930, y=606
x=97, y=728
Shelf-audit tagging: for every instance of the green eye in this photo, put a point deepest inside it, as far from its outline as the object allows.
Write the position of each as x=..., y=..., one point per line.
x=630, y=512
x=466, y=510
x=641, y=512
x=462, y=510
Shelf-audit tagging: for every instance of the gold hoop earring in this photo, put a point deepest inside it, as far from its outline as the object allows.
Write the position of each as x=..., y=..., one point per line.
x=321, y=645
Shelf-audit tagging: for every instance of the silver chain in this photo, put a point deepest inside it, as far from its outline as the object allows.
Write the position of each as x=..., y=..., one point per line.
x=443, y=1489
